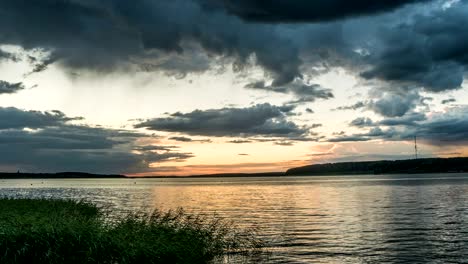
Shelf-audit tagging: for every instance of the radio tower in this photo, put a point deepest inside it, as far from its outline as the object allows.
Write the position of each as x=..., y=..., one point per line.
x=415, y=148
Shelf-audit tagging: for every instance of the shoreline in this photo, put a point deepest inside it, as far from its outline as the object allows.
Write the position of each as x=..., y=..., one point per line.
x=381, y=167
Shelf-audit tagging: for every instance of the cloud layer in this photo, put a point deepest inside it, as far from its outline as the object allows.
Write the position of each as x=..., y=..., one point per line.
x=47, y=141
x=422, y=45
x=260, y=120
x=440, y=128
x=285, y=11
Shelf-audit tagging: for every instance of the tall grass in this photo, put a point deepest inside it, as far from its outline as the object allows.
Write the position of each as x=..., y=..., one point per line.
x=56, y=231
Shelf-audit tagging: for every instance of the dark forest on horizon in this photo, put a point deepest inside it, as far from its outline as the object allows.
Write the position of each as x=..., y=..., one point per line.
x=412, y=166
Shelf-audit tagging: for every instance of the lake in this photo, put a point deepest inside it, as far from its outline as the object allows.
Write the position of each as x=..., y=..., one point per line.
x=333, y=219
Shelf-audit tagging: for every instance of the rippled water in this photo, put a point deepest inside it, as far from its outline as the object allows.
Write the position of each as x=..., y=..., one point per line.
x=355, y=219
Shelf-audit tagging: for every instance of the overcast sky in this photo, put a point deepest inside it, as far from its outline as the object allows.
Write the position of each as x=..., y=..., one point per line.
x=177, y=87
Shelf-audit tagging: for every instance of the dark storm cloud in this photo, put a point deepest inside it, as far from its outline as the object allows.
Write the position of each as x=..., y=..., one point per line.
x=46, y=141
x=101, y=161
x=429, y=50
x=63, y=137
x=302, y=92
x=14, y=118
x=9, y=88
x=258, y=120
x=426, y=48
x=284, y=11
x=107, y=34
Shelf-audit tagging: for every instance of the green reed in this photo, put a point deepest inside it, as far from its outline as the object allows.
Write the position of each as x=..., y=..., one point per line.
x=58, y=231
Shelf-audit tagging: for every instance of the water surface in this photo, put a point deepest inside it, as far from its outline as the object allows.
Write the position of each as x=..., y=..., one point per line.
x=338, y=219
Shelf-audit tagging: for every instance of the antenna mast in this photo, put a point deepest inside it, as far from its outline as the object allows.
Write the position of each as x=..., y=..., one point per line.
x=415, y=147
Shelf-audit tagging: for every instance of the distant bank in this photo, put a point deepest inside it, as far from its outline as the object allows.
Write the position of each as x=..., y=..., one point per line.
x=413, y=166
x=59, y=175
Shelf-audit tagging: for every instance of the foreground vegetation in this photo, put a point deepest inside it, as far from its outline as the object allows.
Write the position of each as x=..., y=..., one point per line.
x=56, y=231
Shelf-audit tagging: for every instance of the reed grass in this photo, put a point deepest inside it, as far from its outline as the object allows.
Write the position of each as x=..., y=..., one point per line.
x=65, y=231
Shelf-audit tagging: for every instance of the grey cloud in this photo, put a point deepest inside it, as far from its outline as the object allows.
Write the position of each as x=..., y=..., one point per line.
x=446, y=129
x=106, y=35
x=409, y=119
x=51, y=143
x=448, y=101
x=362, y=122
x=9, y=88
x=391, y=103
x=64, y=137
x=284, y=143
x=258, y=120
x=354, y=138
x=102, y=161
x=304, y=10
x=438, y=129
x=155, y=148
x=429, y=50
x=394, y=104
x=187, y=139
x=4, y=55
x=181, y=139
x=302, y=92
x=14, y=118
x=355, y=106
x=240, y=141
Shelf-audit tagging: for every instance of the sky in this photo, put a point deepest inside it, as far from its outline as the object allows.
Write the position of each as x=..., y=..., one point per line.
x=183, y=87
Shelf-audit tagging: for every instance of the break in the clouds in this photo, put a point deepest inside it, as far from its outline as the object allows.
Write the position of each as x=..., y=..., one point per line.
x=47, y=141
x=258, y=120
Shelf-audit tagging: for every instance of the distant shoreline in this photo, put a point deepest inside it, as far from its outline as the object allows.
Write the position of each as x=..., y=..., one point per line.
x=413, y=166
